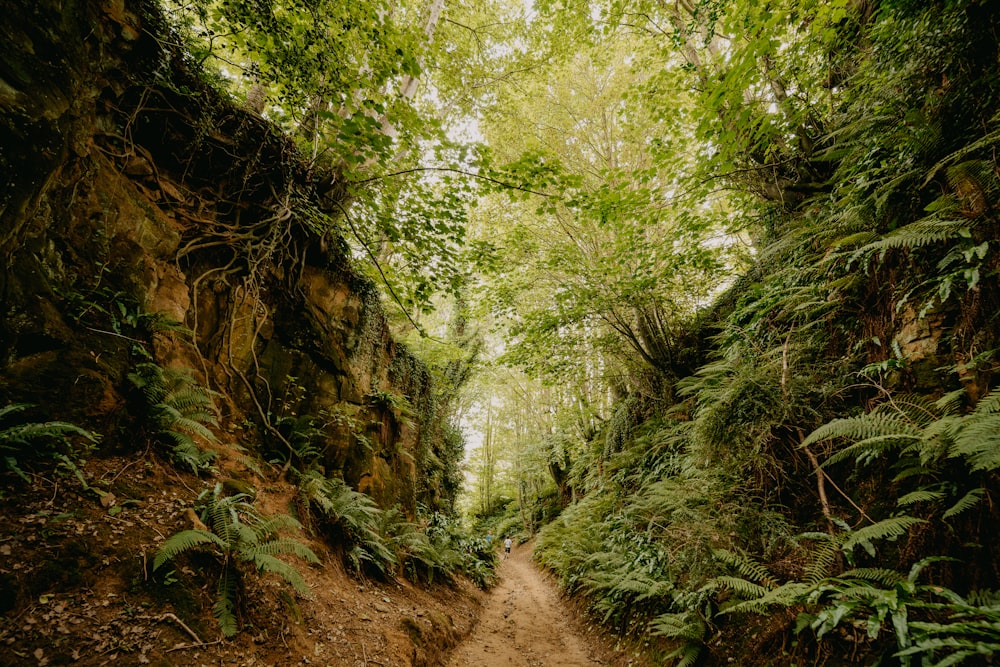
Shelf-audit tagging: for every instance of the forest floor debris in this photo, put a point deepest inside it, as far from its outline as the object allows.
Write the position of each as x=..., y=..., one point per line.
x=77, y=587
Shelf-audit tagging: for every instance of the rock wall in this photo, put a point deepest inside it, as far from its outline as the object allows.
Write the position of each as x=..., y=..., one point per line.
x=145, y=217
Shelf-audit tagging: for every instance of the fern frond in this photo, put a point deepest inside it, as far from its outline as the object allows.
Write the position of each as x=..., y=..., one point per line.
x=184, y=541
x=746, y=567
x=967, y=501
x=148, y=379
x=989, y=404
x=978, y=440
x=786, y=595
x=984, y=597
x=869, y=449
x=266, y=563
x=951, y=402
x=13, y=409
x=824, y=554
x=985, y=142
x=244, y=535
x=879, y=575
x=178, y=409
x=920, y=233
x=919, y=496
x=187, y=452
x=276, y=523
x=854, y=239
x=916, y=409
x=192, y=426
x=685, y=625
x=35, y=439
x=864, y=427
x=189, y=398
x=919, y=566
x=743, y=588
x=884, y=529
x=218, y=513
x=283, y=545
x=225, y=606
x=27, y=434
x=250, y=463
x=181, y=440
x=13, y=467
x=688, y=654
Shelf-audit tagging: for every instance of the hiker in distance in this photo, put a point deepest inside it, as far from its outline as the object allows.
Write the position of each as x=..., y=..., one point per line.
x=506, y=547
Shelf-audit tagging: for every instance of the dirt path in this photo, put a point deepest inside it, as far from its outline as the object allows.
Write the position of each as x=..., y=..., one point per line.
x=524, y=623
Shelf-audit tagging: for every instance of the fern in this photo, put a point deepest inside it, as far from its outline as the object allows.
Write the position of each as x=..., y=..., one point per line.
x=882, y=576
x=885, y=529
x=962, y=629
x=178, y=411
x=920, y=496
x=688, y=628
x=874, y=434
x=743, y=588
x=825, y=554
x=917, y=234
x=746, y=567
x=786, y=595
x=302, y=441
x=986, y=142
x=186, y=540
x=225, y=606
x=243, y=540
x=266, y=563
x=926, y=433
x=967, y=501
x=23, y=442
x=978, y=438
x=354, y=516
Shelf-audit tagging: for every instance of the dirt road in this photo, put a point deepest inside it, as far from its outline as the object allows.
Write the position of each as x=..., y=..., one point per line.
x=524, y=623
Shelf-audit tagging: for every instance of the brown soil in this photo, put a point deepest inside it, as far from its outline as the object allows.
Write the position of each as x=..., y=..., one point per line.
x=77, y=587
x=526, y=623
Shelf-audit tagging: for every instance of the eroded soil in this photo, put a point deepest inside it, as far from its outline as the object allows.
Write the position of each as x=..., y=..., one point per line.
x=526, y=623
x=77, y=586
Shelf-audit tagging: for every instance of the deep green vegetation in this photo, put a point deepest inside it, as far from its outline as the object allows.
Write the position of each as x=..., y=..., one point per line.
x=796, y=435
x=243, y=540
x=25, y=443
x=712, y=283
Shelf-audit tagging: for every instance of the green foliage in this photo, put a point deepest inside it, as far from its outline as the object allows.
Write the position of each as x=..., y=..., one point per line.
x=353, y=517
x=177, y=410
x=114, y=312
x=444, y=548
x=243, y=541
x=301, y=443
x=384, y=542
x=961, y=630
x=397, y=404
x=23, y=443
x=926, y=435
x=285, y=46
x=688, y=629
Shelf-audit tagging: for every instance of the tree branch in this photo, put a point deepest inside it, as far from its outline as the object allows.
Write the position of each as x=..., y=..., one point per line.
x=385, y=280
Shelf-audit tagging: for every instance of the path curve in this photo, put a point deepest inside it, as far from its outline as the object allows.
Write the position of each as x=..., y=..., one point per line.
x=524, y=623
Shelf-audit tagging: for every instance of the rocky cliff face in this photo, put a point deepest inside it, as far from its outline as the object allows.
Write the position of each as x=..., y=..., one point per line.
x=145, y=218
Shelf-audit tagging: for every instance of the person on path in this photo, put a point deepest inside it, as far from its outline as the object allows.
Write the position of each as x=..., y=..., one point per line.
x=506, y=547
